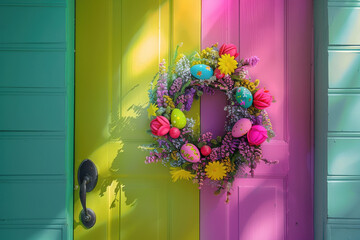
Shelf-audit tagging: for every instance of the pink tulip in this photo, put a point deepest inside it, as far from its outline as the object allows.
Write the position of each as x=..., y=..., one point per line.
x=160, y=126
x=257, y=135
x=262, y=99
x=228, y=49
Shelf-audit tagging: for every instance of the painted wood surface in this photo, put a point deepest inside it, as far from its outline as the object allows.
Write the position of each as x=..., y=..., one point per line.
x=277, y=203
x=337, y=42
x=119, y=45
x=36, y=123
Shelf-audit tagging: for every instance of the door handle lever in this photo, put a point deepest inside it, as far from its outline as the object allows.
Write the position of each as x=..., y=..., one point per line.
x=83, y=197
x=87, y=178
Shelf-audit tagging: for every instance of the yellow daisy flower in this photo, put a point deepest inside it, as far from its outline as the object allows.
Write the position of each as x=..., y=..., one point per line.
x=152, y=110
x=215, y=170
x=179, y=173
x=227, y=64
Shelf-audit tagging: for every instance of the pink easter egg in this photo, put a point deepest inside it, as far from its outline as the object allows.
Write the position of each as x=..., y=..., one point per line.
x=190, y=153
x=174, y=132
x=241, y=127
x=205, y=150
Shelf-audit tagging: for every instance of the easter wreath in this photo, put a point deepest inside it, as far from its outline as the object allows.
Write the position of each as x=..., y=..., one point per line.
x=223, y=158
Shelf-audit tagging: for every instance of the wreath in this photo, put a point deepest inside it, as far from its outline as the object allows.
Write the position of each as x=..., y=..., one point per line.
x=204, y=158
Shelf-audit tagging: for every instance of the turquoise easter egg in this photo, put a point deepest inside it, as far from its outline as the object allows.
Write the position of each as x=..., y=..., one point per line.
x=201, y=71
x=178, y=118
x=244, y=97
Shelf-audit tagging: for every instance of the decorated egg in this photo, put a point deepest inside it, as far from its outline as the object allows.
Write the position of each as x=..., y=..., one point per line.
x=178, y=118
x=201, y=71
x=244, y=97
x=241, y=127
x=190, y=153
x=205, y=150
x=174, y=132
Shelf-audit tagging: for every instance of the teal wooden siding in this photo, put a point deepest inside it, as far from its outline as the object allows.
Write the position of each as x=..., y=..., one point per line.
x=36, y=121
x=337, y=120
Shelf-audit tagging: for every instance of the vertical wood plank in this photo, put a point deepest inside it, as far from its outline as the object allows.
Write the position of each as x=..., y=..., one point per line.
x=321, y=39
x=279, y=32
x=123, y=46
x=300, y=120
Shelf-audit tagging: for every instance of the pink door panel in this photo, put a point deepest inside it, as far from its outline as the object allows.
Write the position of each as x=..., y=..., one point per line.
x=277, y=203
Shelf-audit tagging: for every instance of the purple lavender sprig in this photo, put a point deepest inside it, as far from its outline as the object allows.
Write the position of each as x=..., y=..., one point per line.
x=215, y=154
x=252, y=61
x=161, y=90
x=186, y=99
x=176, y=86
x=163, y=143
x=207, y=90
x=227, y=82
x=206, y=137
x=189, y=96
x=228, y=145
x=251, y=154
x=155, y=157
x=181, y=99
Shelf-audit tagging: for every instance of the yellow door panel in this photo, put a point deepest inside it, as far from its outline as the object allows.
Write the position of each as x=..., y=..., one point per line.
x=119, y=45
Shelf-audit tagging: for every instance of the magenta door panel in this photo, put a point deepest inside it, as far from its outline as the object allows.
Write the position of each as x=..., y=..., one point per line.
x=276, y=204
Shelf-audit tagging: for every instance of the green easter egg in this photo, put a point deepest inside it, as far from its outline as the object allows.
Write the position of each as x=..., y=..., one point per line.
x=244, y=97
x=178, y=118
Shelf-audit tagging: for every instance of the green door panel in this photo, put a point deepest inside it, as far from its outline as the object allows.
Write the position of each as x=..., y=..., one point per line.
x=46, y=152
x=343, y=156
x=44, y=67
x=341, y=232
x=343, y=199
x=36, y=204
x=347, y=65
x=36, y=123
x=34, y=23
x=31, y=233
x=342, y=118
x=337, y=131
x=344, y=20
x=32, y=111
x=119, y=45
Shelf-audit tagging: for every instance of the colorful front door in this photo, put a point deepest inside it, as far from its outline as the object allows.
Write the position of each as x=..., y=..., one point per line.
x=118, y=47
x=277, y=203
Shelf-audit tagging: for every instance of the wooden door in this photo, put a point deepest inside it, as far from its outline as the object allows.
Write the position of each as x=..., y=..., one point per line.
x=36, y=119
x=277, y=203
x=119, y=44
x=337, y=132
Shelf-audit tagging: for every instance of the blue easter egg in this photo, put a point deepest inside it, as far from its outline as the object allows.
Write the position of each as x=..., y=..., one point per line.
x=201, y=71
x=244, y=97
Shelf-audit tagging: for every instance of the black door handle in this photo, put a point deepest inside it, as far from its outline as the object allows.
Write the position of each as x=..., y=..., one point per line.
x=87, y=178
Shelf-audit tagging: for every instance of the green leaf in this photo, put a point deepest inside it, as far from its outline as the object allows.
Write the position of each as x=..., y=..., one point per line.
x=180, y=105
x=201, y=144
